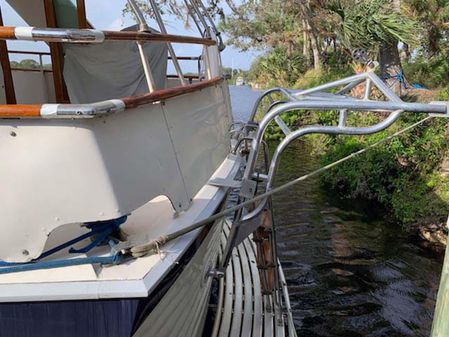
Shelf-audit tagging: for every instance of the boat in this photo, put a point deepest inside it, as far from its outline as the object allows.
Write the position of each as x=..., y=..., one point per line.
x=133, y=204
x=240, y=81
x=103, y=153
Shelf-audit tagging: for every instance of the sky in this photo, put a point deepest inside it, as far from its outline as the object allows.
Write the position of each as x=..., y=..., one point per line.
x=107, y=15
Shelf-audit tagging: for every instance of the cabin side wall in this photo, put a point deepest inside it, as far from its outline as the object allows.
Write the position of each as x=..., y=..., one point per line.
x=61, y=172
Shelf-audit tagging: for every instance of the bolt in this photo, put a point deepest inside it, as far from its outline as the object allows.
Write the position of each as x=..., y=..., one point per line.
x=25, y=252
x=215, y=273
x=12, y=134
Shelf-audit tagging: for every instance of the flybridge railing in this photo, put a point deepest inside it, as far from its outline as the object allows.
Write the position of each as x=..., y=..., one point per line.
x=92, y=36
x=42, y=65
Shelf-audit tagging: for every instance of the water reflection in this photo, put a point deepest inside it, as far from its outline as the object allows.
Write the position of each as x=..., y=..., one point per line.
x=349, y=276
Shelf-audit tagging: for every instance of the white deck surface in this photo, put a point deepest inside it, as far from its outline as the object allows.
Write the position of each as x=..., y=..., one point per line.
x=133, y=279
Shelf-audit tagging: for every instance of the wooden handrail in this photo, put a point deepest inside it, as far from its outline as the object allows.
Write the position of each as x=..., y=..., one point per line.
x=36, y=111
x=37, y=70
x=20, y=110
x=93, y=36
x=7, y=33
x=161, y=95
x=143, y=36
x=186, y=58
x=189, y=77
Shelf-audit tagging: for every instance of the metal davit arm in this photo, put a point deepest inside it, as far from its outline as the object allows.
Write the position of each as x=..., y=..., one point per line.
x=313, y=99
x=329, y=130
x=308, y=100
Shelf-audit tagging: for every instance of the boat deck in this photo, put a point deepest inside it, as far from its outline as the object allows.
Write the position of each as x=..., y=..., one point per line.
x=242, y=309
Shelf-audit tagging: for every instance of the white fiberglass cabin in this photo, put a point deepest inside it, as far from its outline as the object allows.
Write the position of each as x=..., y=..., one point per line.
x=103, y=146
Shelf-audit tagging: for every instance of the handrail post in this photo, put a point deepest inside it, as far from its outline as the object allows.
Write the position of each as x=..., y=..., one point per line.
x=57, y=58
x=146, y=67
x=171, y=51
x=195, y=20
x=145, y=63
x=81, y=10
x=8, y=81
x=140, y=18
x=44, y=80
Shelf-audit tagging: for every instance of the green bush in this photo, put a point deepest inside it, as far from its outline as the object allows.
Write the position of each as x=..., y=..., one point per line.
x=278, y=67
x=433, y=73
x=400, y=175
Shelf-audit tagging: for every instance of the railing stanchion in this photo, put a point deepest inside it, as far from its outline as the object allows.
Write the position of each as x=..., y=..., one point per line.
x=146, y=67
x=171, y=51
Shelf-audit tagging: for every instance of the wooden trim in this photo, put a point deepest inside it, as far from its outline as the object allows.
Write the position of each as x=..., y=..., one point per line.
x=8, y=33
x=160, y=95
x=10, y=92
x=189, y=77
x=20, y=111
x=24, y=52
x=37, y=70
x=186, y=58
x=57, y=56
x=142, y=36
x=81, y=10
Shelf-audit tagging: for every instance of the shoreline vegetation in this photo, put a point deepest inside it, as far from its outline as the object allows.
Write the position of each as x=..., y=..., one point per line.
x=407, y=178
x=311, y=42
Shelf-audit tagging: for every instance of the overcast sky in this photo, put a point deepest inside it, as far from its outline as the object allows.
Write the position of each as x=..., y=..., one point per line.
x=107, y=14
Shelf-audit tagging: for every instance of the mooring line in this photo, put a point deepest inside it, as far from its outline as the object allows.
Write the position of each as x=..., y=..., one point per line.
x=140, y=246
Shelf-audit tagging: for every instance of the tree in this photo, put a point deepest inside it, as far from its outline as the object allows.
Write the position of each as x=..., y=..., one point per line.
x=378, y=26
x=288, y=24
x=433, y=17
x=29, y=64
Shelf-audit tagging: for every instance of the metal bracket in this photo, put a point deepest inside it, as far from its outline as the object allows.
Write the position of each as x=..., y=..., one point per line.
x=216, y=273
x=248, y=188
x=228, y=182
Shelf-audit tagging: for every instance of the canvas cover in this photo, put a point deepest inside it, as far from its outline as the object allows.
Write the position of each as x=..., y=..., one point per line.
x=111, y=70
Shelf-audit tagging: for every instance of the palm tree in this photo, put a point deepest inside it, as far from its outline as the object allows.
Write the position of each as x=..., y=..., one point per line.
x=378, y=26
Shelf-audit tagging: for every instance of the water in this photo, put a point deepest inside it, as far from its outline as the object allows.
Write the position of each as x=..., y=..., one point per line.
x=347, y=275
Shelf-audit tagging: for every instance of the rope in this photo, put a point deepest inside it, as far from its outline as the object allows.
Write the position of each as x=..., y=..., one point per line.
x=109, y=260
x=140, y=247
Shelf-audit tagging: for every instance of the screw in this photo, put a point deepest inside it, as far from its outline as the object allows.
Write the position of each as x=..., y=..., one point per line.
x=12, y=134
x=25, y=252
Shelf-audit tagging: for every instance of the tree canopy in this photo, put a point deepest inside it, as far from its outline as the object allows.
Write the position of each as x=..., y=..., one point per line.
x=301, y=34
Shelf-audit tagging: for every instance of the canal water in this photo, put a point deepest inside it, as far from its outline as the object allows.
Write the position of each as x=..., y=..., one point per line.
x=347, y=275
